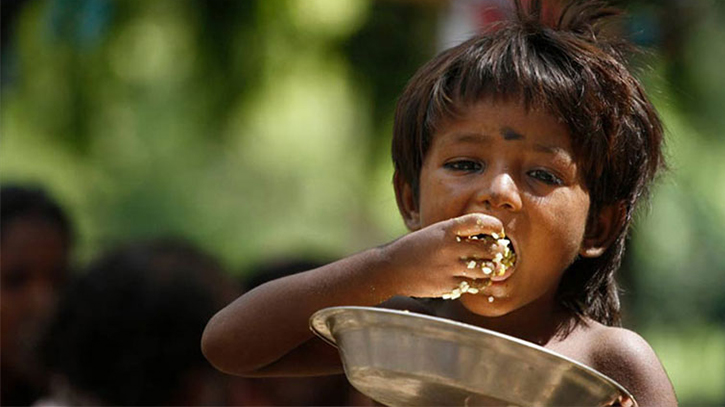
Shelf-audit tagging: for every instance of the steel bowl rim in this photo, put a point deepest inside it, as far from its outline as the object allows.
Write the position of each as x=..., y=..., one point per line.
x=318, y=325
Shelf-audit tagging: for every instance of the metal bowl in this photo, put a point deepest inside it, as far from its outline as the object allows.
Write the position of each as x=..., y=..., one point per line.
x=400, y=358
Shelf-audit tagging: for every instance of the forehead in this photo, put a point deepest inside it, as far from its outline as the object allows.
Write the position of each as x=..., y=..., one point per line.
x=486, y=121
x=32, y=237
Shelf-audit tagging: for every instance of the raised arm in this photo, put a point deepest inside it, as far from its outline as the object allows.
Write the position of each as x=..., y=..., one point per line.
x=253, y=332
x=265, y=331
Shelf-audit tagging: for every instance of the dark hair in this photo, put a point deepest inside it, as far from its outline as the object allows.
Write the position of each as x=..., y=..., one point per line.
x=129, y=328
x=563, y=64
x=30, y=201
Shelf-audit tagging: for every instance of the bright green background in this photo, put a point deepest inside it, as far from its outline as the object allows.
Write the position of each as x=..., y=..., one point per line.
x=261, y=129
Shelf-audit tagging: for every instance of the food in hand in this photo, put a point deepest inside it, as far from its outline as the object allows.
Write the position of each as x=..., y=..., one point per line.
x=504, y=259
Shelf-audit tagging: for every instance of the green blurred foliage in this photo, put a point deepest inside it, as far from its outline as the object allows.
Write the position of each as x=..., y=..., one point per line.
x=675, y=268
x=260, y=129
x=245, y=126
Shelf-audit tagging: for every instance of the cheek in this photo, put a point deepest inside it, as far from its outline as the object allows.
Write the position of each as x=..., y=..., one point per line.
x=563, y=220
x=573, y=219
x=13, y=306
x=572, y=228
x=438, y=199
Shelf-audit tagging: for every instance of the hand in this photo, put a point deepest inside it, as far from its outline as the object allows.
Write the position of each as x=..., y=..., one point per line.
x=434, y=260
x=622, y=401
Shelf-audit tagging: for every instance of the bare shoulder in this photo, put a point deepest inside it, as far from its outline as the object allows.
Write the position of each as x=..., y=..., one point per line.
x=626, y=357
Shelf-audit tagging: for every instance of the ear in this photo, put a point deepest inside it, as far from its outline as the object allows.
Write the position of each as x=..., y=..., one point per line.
x=407, y=204
x=602, y=230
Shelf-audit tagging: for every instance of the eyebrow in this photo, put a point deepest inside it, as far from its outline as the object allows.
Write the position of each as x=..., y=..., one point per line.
x=508, y=134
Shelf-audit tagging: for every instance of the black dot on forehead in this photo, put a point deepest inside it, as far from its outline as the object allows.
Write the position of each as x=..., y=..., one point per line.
x=510, y=134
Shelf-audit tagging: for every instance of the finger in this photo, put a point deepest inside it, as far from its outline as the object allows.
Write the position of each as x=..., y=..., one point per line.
x=474, y=224
x=622, y=401
x=627, y=401
x=465, y=286
x=477, y=268
x=490, y=250
x=476, y=247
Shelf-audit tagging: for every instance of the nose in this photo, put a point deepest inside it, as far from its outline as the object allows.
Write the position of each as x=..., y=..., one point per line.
x=501, y=192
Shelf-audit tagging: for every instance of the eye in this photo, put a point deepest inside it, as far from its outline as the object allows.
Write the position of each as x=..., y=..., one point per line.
x=546, y=177
x=464, y=165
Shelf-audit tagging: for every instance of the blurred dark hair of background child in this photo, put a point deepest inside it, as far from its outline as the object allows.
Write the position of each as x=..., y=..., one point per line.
x=332, y=390
x=36, y=238
x=129, y=328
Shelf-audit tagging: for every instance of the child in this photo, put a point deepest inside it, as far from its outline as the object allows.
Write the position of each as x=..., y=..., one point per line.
x=128, y=329
x=36, y=236
x=534, y=129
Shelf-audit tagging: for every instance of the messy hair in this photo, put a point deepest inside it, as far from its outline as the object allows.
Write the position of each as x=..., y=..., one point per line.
x=565, y=65
x=19, y=201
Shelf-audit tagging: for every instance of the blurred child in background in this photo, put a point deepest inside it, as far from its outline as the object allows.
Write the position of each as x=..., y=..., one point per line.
x=128, y=330
x=35, y=242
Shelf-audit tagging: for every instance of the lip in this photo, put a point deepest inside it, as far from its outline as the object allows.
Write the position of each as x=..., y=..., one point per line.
x=505, y=276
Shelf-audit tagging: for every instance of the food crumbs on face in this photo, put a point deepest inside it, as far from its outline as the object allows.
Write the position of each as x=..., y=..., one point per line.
x=504, y=259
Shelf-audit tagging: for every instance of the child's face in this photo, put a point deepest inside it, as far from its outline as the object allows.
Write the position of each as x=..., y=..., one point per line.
x=519, y=167
x=32, y=272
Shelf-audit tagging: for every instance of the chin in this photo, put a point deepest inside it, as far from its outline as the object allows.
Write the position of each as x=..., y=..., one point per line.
x=479, y=304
